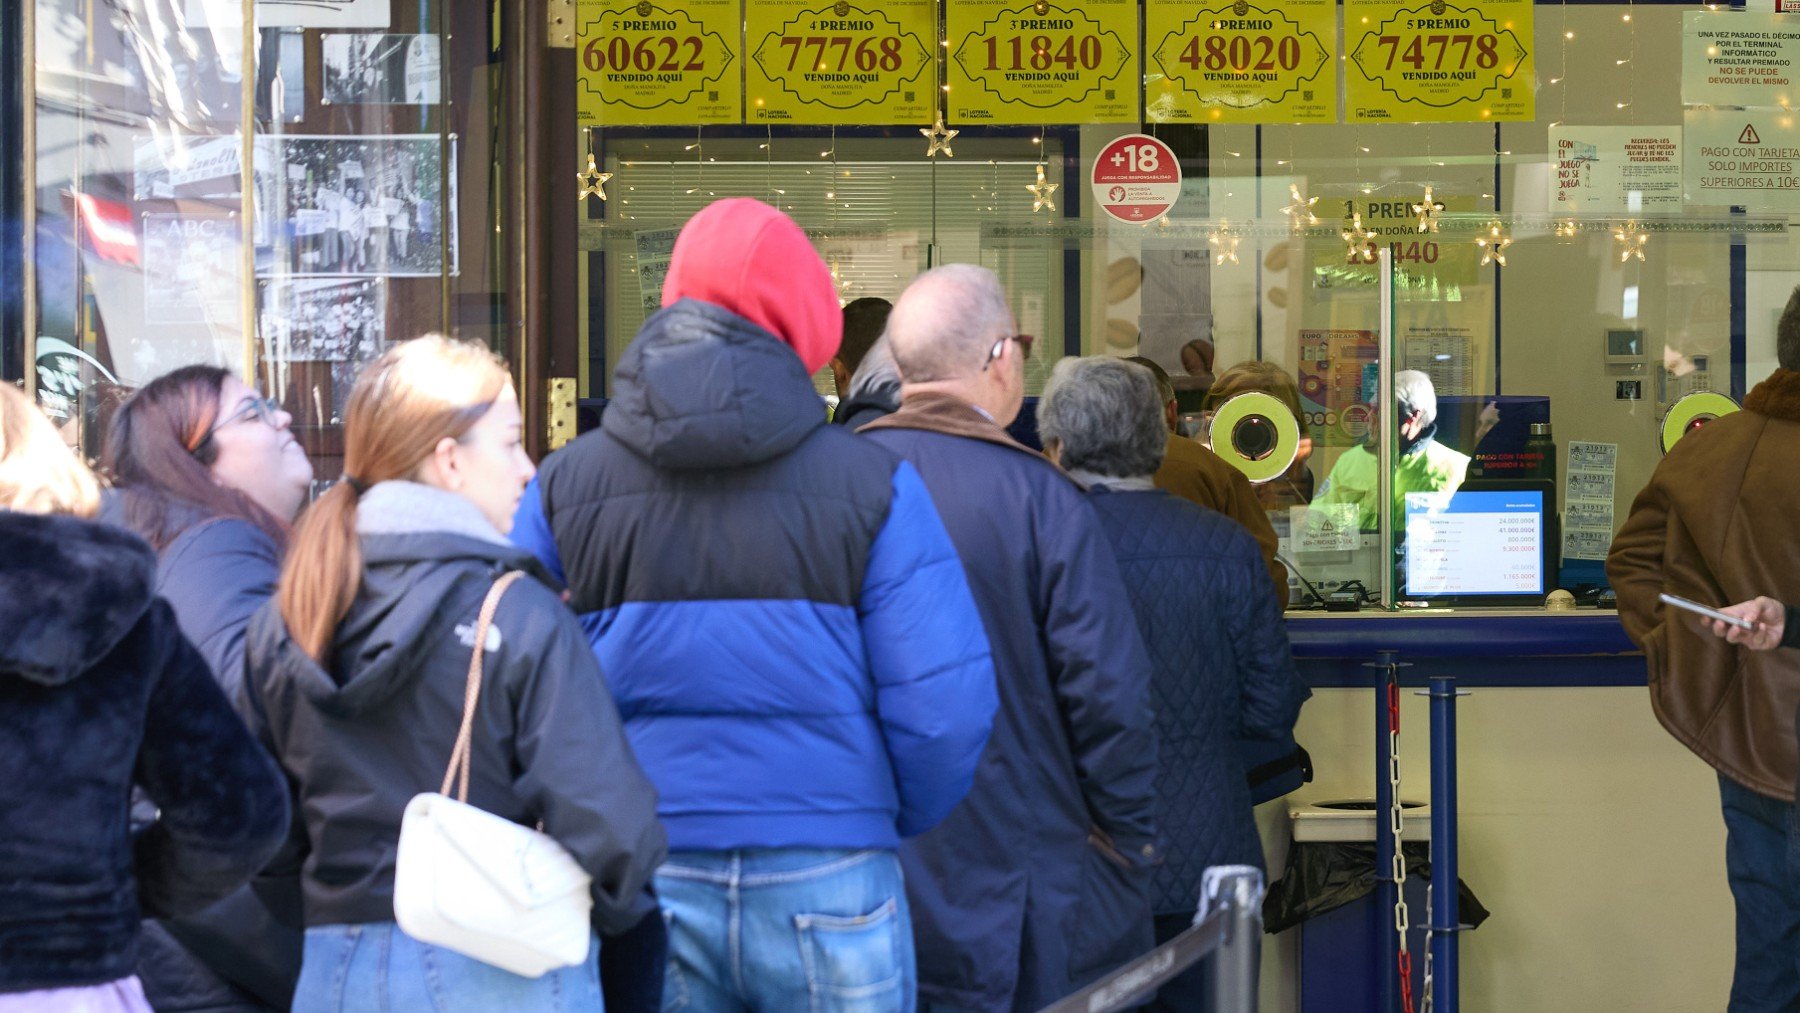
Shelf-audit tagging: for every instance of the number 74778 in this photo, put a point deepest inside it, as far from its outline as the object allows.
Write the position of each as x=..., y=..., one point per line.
x=1485, y=47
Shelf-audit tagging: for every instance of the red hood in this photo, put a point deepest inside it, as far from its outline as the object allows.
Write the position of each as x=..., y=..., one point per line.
x=749, y=258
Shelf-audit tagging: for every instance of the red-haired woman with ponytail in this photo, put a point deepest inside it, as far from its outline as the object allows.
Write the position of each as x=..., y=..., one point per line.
x=355, y=680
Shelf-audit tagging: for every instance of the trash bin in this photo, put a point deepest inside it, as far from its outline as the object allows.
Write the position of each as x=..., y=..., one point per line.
x=1328, y=889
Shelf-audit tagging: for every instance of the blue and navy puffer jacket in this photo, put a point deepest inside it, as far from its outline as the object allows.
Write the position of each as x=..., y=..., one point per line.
x=775, y=603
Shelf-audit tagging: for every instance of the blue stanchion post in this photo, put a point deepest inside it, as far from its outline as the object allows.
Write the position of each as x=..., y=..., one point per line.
x=1445, y=912
x=1387, y=890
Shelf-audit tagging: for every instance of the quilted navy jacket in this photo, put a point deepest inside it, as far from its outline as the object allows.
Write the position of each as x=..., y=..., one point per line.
x=242, y=954
x=1221, y=670
x=779, y=612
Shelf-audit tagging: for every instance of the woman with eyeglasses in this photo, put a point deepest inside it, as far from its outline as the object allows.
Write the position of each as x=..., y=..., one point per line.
x=99, y=692
x=206, y=470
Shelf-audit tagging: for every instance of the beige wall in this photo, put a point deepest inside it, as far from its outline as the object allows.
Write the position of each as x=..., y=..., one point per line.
x=1593, y=837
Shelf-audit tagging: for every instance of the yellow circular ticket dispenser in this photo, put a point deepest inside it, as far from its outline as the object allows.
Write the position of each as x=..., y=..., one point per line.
x=1692, y=412
x=1257, y=434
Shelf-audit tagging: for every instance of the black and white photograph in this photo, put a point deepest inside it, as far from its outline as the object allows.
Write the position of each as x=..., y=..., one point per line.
x=324, y=319
x=355, y=205
x=179, y=167
x=287, y=90
x=192, y=270
x=370, y=69
x=370, y=205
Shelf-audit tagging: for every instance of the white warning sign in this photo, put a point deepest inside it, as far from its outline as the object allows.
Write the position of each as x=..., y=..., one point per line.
x=1738, y=58
x=1741, y=157
x=1616, y=170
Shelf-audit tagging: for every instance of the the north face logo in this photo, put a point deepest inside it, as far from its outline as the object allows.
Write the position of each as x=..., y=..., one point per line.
x=1749, y=135
x=465, y=633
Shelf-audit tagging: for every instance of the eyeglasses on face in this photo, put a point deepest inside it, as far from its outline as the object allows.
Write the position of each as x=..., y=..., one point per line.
x=262, y=409
x=1024, y=341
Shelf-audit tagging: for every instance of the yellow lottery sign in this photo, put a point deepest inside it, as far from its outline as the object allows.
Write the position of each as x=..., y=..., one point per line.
x=1241, y=62
x=645, y=63
x=1439, y=62
x=813, y=61
x=1020, y=62
x=1425, y=260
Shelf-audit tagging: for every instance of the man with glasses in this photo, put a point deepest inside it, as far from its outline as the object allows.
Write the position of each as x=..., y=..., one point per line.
x=1038, y=882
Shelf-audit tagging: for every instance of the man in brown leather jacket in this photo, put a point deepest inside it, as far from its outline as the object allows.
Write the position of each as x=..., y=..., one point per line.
x=1718, y=524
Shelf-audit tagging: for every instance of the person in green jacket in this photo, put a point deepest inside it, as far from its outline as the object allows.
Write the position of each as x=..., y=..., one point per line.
x=1423, y=465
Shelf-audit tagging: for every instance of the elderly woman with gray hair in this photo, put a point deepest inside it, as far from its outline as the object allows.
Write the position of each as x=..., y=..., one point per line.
x=1221, y=669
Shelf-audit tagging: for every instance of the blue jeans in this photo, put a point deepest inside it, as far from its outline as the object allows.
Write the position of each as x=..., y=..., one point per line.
x=787, y=929
x=1762, y=861
x=376, y=967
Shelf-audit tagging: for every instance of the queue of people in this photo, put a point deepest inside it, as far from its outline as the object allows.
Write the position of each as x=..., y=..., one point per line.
x=891, y=715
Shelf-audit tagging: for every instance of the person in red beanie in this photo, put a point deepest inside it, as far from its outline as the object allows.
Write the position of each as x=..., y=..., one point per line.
x=783, y=620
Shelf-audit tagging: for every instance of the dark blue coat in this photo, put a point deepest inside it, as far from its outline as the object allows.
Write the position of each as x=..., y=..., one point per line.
x=1221, y=671
x=98, y=690
x=1039, y=881
x=775, y=604
x=217, y=574
x=242, y=954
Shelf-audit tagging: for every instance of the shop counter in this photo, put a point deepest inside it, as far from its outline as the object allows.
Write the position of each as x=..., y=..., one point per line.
x=1510, y=647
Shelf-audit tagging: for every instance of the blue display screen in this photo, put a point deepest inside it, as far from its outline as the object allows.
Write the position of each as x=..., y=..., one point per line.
x=1475, y=543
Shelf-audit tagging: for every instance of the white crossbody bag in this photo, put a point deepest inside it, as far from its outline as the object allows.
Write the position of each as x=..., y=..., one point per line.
x=481, y=885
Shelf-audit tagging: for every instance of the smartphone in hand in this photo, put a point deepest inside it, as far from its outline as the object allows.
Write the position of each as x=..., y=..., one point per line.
x=1710, y=613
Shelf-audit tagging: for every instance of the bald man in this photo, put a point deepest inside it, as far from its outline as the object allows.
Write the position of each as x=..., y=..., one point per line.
x=1039, y=881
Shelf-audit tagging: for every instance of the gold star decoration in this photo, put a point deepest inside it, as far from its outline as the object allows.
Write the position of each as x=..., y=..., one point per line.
x=1493, y=241
x=1428, y=211
x=940, y=137
x=1566, y=228
x=1224, y=243
x=1299, y=211
x=837, y=278
x=1631, y=239
x=1041, y=191
x=593, y=181
x=1361, y=241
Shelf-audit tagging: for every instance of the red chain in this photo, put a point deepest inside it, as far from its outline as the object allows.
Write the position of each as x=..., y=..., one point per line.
x=1405, y=959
